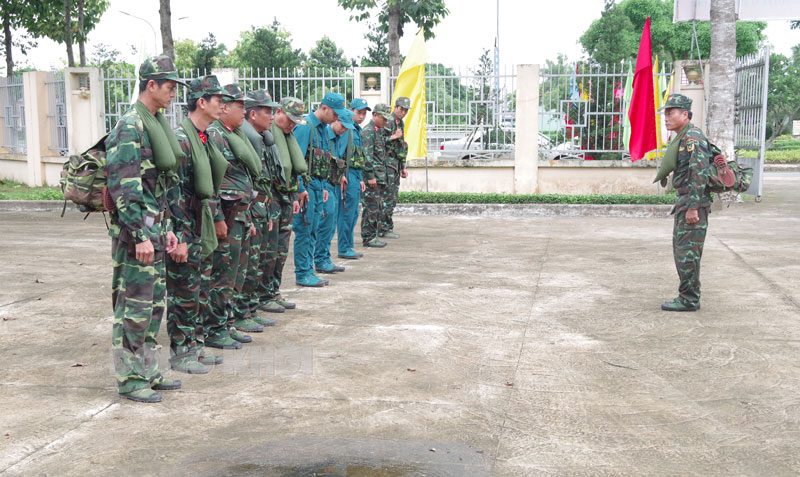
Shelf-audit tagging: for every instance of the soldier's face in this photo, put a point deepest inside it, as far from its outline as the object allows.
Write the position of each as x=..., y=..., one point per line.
x=261, y=118
x=379, y=120
x=233, y=114
x=164, y=94
x=328, y=115
x=400, y=112
x=212, y=107
x=338, y=127
x=284, y=123
x=359, y=115
x=675, y=118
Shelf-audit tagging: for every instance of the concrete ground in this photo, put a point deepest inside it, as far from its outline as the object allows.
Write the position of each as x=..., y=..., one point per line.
x=469, y=347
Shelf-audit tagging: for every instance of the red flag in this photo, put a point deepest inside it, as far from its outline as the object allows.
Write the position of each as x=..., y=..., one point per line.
x=642, y=109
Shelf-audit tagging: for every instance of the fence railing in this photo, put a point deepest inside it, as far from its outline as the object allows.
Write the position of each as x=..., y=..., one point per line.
x=752, y=73
x=308, y=85
x=12, y=113
x=470, y=112
x=57, y=112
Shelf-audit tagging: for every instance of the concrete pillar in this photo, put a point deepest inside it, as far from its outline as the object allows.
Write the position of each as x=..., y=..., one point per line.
x=85, y=108
x=526, y=147
x=371, y=84
x=226, y=75
x=37, y=124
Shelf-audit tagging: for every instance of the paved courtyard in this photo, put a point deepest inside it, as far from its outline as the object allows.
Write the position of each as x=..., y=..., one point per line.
x=469, y=347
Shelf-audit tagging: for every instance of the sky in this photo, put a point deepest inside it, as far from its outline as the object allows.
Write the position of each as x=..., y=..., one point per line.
x=531, y=31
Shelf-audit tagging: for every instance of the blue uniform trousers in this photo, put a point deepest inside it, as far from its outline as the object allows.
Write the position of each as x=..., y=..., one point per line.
x=348, y=218
x=305, y=234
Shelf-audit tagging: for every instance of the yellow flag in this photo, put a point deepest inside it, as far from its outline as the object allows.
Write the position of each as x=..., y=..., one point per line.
x=411, y=83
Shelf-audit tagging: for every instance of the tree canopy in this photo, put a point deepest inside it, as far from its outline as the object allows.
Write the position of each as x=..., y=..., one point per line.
x=266, y=47
x=326, y=54
x=783, y=104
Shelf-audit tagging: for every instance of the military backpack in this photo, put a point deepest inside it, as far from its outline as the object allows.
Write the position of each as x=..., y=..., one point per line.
x=724, y=175
x=84, y=180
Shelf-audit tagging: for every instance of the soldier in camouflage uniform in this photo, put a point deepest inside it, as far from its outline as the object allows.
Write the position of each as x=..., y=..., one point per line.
x=350, y=148
x=184, y=322
x=396, y=152
x=315, y=144
x=289, y=114
x=141, y=234
x=692, y=202
x=375, y=175
x=229, y=309
x=259, y=110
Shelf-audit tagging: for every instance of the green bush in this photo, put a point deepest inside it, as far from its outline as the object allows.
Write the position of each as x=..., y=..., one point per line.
x=775, y=156
x=12, y=190
x=475, y=198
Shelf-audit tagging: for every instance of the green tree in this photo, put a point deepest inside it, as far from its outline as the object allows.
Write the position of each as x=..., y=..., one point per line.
x=783, y=103
x=15, y=16
x=377, y=50
x=266, y=47
x=394, y=15
x=611, y=39
x=208, y=55
x=185, y=52
x=327, y=55
x=54, y=19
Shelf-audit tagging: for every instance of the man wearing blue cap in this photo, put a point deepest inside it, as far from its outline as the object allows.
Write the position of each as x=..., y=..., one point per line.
x=327, y=227
x=315, y=141
x=350, y=148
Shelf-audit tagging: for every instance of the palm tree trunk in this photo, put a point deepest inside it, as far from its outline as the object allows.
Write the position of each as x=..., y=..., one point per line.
x=81, y=35
x=394, y=39
x=7, y=41
x=722, y=80
x=166, y=29
x=68, y=33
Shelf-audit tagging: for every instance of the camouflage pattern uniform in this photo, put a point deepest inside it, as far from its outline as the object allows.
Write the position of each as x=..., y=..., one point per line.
x=374, y=146
x=690, y=180
x=227, y=303
x=396, y=152
x=184, y=322
x=138, y=290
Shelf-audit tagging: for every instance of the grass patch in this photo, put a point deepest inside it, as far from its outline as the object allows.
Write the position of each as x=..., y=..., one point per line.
x=776, y=156
x=474, y=198
x=12, y=190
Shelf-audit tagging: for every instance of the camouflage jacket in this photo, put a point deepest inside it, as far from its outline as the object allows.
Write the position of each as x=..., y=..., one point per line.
x=374, y=144
x=182, y=205
x=396, y=149
x=132, y=179
x=689, y=178
x=237, y=183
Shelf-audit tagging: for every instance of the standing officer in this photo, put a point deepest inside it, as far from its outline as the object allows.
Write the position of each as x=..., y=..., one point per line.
x=350, y=149
x=692, y=201
x=396, y=152
x=192, y=206
x=375, y=175
x=315, y=143
x=141, y=154
x=228, y=307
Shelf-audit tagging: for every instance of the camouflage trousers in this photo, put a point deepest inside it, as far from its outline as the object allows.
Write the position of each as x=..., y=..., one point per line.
x=276, y=260
x=269, y=254
x=390, y=198
x=204, y=300
x=138, y=296
x=255, y=265
x=371, y=215
x=687, y=248
x=184, y=325
x=226, y=301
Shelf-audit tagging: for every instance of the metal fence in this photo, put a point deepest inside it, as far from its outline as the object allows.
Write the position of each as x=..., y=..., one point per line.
x=12, y=113
x=57, y=112
x=470, y=112
x=581, y=109
x=750, y=118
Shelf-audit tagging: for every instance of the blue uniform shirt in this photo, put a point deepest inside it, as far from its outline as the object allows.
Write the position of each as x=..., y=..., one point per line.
x=303, y=135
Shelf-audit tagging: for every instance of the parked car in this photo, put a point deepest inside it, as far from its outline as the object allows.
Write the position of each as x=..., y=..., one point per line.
x=471, y=146
x=566, y=150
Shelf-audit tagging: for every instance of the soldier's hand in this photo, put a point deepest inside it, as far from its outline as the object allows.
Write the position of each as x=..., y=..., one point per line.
x=221, y=229
x=692, y=217
x=172, y=242
x=397, y=134
x=295, y=207
x=270, y=225
x=404, y=173
x=144, y=252
x=325, y=195
x=180, y=254
x=373, y=183
x=252, y=229
x=363, y=186
x=302, y=197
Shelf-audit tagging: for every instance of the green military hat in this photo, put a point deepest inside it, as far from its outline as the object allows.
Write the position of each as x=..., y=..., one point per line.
x=677, y=101
x=259, y=98
x=382, y=110
x=205, y=86
x=295, y=109
x=403, y=102
x=232, y=93
x=159, y=67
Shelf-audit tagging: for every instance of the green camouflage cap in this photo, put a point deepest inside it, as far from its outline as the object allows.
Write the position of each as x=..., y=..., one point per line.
x=295, y=109
x=677, y=101
x=159, y=67
x=403, y=102
x=259, y=97
x=205, y=86
x=382, y=110
x=233, y=93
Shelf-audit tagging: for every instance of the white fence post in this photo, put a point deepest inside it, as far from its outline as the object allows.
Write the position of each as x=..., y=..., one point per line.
x=85, y=108
x=37, y=124
x=526, y=138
